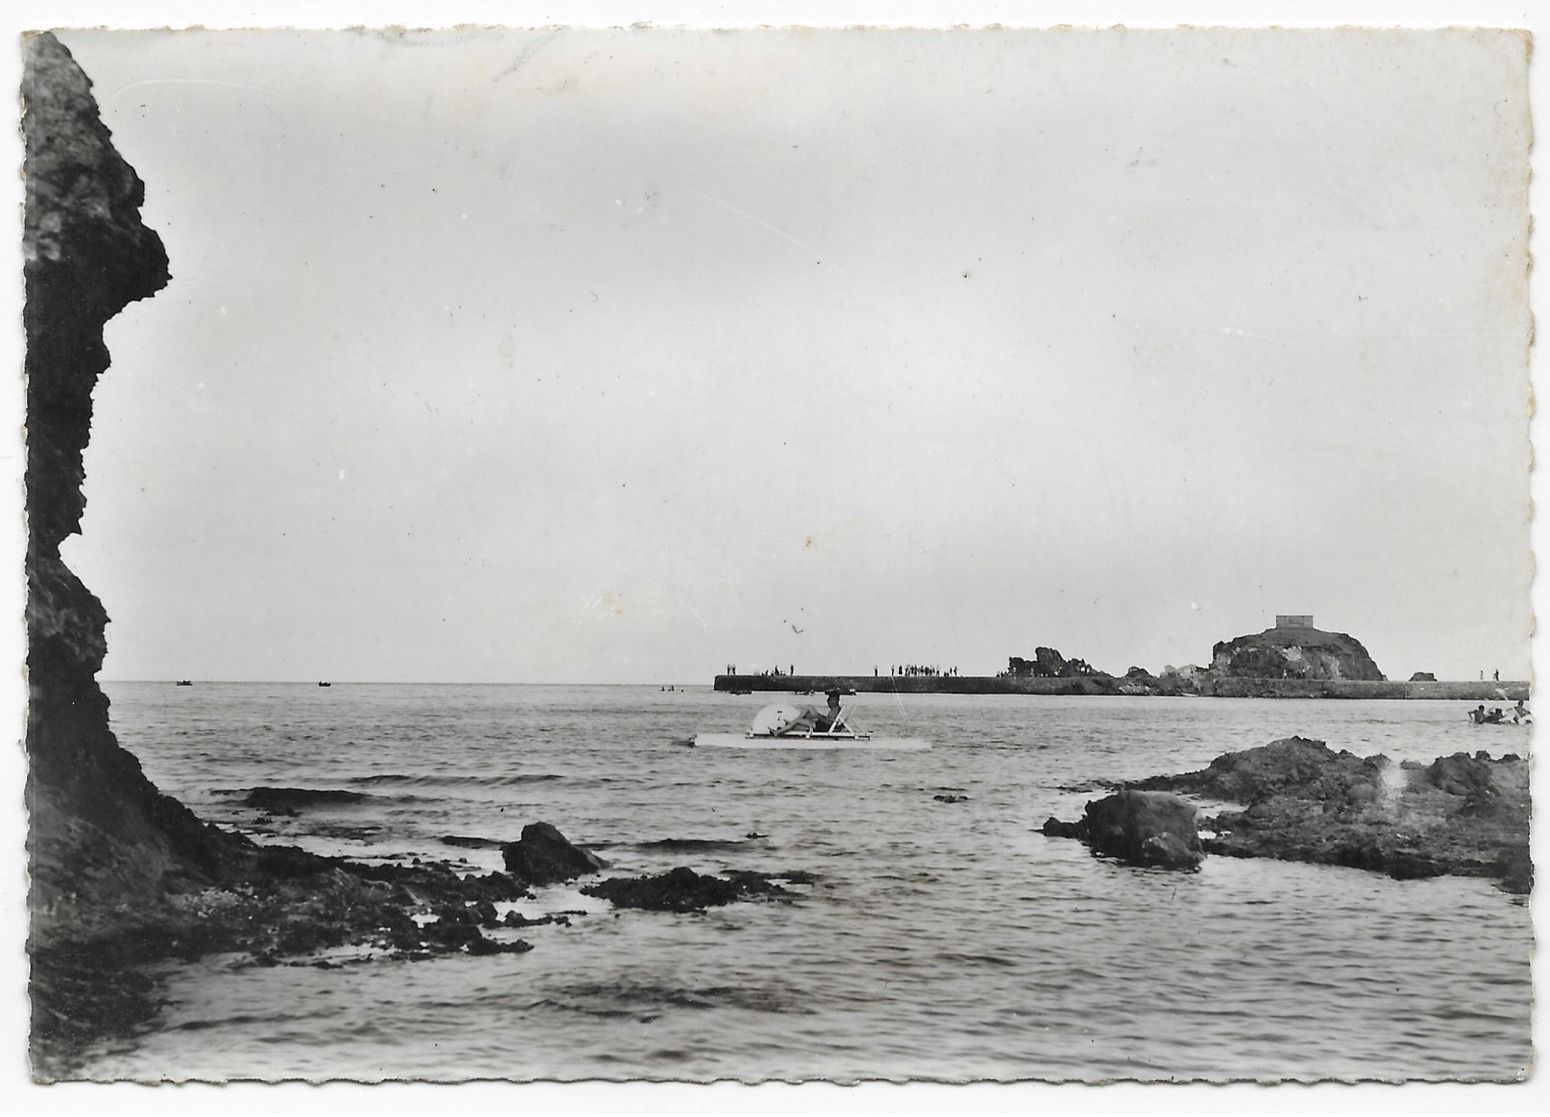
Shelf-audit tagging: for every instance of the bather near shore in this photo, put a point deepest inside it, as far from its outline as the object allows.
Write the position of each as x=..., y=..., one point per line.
x=1460, y=815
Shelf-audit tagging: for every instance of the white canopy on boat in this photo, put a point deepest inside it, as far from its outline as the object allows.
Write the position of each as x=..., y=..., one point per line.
x=779, y=717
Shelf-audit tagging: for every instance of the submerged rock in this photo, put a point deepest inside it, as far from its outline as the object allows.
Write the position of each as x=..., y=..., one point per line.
x=544, y=856
x=461, y=841
x=290, y=799
x=684, y=890
x=695, y=845
x=680, y=889
x=517, y=919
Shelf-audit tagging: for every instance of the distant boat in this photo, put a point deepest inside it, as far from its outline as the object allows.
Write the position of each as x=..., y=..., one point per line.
x=325, y=684
x=185, y=682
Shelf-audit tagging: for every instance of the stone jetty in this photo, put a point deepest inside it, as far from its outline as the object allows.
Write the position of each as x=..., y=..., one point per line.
x=1100, y=685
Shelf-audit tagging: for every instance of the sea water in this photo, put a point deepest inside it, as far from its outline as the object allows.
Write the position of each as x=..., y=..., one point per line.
x=940, y=939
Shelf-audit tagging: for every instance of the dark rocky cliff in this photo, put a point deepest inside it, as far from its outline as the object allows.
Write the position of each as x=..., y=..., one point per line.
x=100, y=832
x=1294, y=653
x=124, y=877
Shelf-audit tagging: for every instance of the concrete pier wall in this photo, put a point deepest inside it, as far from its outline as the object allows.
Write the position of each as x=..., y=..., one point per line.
x=1459, y=691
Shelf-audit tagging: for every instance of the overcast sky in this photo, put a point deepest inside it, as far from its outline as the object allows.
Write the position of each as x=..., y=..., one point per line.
x=622, y=356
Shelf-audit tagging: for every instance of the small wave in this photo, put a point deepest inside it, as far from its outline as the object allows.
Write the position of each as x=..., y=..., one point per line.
x=669, y=1055
x=600, y=1000
x=979, y=959
x=203, y=1024
x=427, y=780
x=603, y=1013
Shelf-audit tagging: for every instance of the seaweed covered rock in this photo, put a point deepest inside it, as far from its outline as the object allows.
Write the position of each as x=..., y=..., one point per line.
x=294, y=798
x=544, y=856
x=683, y=890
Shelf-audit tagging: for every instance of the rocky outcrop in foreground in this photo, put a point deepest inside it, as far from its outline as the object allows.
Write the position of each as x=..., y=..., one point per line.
x=1462, y=815
x=285, y=908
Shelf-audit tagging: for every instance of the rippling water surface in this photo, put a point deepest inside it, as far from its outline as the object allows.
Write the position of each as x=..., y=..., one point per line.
x=941, y=940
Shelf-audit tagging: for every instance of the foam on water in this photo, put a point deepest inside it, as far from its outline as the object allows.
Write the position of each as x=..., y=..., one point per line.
x=942, y=939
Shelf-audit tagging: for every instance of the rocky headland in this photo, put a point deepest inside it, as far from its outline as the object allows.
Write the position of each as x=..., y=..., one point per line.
x=1294, y=652
x=1301, y=801
x=122, y=876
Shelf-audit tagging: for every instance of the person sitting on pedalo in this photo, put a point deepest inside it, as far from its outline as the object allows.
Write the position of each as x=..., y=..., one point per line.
x=811, y=720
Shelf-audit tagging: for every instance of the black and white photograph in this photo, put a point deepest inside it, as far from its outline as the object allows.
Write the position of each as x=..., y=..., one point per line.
x=769, y=553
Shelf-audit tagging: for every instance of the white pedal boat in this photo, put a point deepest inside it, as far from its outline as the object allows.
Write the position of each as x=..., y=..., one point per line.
x=785, y=726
